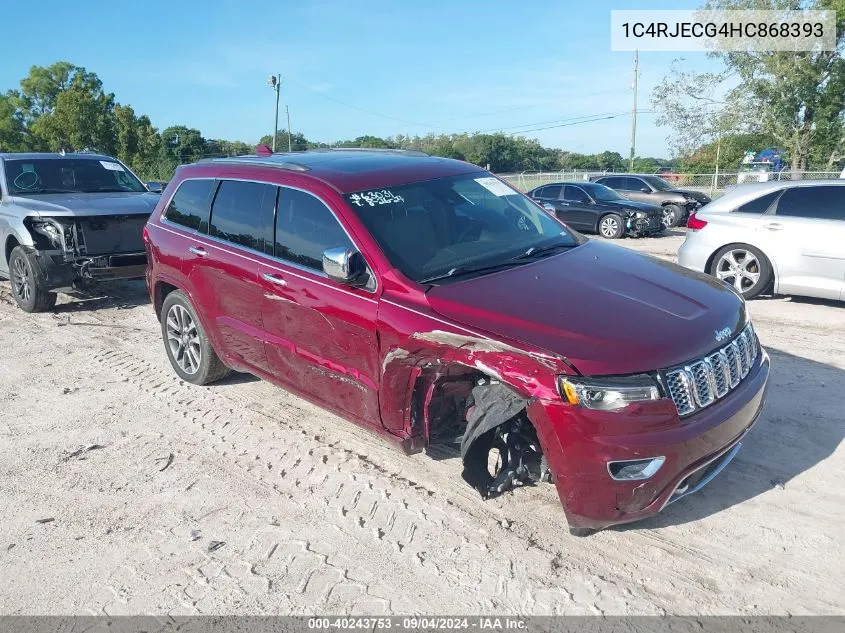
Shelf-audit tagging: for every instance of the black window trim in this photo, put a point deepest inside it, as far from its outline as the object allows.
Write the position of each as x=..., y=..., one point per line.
x=247, y=249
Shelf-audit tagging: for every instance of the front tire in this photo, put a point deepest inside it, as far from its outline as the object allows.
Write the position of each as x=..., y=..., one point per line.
x=744, y=267
x=187, y=345
x=672, y=215
x=28, y=282
x=611, y=226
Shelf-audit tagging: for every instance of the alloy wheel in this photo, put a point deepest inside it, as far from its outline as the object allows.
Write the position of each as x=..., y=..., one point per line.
x=21, y=280
x=183, y=339
x=740, y=268
x=609, y=227
x=668, y=217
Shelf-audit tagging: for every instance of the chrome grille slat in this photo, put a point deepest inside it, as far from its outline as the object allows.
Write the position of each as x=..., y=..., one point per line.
x=702, y=381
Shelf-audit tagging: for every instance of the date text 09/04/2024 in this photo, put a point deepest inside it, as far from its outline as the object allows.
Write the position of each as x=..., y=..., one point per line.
x=413, y=623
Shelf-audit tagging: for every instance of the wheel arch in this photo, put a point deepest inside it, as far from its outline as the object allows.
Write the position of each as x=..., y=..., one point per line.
x=710, y=259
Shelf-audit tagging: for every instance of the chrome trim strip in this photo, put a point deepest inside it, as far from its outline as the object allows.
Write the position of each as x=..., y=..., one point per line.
x=727, y=457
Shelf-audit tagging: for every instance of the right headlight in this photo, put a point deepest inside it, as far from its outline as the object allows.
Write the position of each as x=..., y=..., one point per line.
x=608, y=394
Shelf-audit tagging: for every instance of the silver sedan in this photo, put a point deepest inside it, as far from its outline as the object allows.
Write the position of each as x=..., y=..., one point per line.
x=786, y=237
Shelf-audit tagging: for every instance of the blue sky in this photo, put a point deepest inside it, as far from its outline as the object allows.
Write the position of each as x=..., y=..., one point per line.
x=397, y=67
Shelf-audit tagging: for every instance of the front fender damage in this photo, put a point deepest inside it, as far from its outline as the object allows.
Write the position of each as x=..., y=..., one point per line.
x=475, y=392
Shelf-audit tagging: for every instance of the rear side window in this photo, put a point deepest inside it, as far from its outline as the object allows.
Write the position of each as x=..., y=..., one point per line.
x=552, y=192
x=189, y=207
x=305, y=227
x=242, y=213
x=614, y=182
x=758, y=205
x=822, y=203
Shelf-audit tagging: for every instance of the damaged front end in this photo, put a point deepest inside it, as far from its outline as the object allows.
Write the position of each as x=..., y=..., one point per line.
x=89, y=249
x=499, y=445
x=640, y=224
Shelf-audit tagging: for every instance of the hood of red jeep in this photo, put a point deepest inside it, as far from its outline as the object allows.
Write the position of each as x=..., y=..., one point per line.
x=607, y=309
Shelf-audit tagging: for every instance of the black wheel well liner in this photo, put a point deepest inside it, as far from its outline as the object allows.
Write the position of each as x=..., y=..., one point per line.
x=160, y=292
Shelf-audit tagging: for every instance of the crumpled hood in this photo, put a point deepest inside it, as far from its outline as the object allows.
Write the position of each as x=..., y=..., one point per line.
x=88, y=204
x=607, y=309
x=692, y=193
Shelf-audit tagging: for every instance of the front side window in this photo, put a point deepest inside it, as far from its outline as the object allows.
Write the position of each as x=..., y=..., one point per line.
x=655, y=182
x=822, y=203
x=34, y=176
x=457, y=224
x=305, y=228
x=634, y=184
x=242, y=213
x=575, y=194
x=189, y=206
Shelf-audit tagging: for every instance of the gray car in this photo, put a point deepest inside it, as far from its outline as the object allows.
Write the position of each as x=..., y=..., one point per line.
x=677, y=204
x=69, y=220
x=787, y=237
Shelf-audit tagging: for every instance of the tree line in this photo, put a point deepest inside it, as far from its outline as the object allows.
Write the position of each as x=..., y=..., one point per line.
x=66, y=107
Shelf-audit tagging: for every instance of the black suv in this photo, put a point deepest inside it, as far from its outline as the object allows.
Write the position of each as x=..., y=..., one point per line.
x=588, y=206
x=677, y=203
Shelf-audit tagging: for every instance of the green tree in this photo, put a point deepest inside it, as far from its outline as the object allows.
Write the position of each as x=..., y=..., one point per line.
x=298, y=142
x=13, y=137
x=731, y=152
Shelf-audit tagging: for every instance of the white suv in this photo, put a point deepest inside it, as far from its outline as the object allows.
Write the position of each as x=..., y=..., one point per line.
x=787, y=237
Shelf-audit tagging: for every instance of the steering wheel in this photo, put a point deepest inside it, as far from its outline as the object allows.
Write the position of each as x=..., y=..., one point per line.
x=472, y=226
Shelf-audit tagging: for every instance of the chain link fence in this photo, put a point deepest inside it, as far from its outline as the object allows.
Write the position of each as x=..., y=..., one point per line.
x=711, y=184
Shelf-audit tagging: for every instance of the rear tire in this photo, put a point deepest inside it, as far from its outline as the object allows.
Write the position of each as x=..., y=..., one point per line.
x=672, y=215
x=29, y=287
x=744, y=267
x=187, y=345
x=611, y=226
x=581, y=532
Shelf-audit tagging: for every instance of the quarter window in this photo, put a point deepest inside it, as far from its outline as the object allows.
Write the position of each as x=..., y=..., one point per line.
x=305, y=228
x=759, y=205
x=822, y=203
x=189, y=206
x=242, y=213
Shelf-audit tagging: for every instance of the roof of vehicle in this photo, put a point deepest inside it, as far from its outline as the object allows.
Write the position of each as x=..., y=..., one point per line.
x=575, y=183
x=625, y=175
x=741, y=193
x=36, y=155
x=349, y=170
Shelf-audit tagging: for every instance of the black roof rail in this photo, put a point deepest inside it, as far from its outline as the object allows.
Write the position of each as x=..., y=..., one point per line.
x=381, y=150
x=258, y=160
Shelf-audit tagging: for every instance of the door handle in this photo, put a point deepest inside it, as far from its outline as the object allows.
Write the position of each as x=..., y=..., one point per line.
x=274, y=279
x=564, y=204
x=774, y=226
x=199, y=251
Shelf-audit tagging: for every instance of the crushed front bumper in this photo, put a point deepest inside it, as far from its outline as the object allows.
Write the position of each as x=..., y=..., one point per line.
x=644, y=227
x=579, y=444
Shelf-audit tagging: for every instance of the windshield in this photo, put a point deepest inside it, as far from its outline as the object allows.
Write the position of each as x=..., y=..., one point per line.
x=600, y=192
x=459, y=224
x=30, y=176
x=756, y=167
x=657, y=182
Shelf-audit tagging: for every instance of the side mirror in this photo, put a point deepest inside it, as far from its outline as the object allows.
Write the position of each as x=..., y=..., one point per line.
x=344, y=265
x=645, y=190
x=155, y=186
x=548, y=206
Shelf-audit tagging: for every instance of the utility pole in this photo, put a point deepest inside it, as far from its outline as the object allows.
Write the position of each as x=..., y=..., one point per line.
x=634, y=111
x=287, y=114
x=275, y=82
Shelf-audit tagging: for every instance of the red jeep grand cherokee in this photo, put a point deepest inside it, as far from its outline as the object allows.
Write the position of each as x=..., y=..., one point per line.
x=428, y=300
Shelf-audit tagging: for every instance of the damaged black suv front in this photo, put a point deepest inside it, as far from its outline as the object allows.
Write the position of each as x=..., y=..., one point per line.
x=69, y=221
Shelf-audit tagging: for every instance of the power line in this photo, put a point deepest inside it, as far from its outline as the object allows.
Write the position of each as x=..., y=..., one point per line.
x=601, y=118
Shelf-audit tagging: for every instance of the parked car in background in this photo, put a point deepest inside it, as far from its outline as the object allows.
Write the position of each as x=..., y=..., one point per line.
x=588, y=206
x=677, y=204
x=667, y=174
x=787, y=237
x=69, y=219
x=430, y=301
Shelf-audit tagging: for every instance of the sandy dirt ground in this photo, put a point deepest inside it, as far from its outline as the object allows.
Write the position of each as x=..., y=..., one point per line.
x=126, y=491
